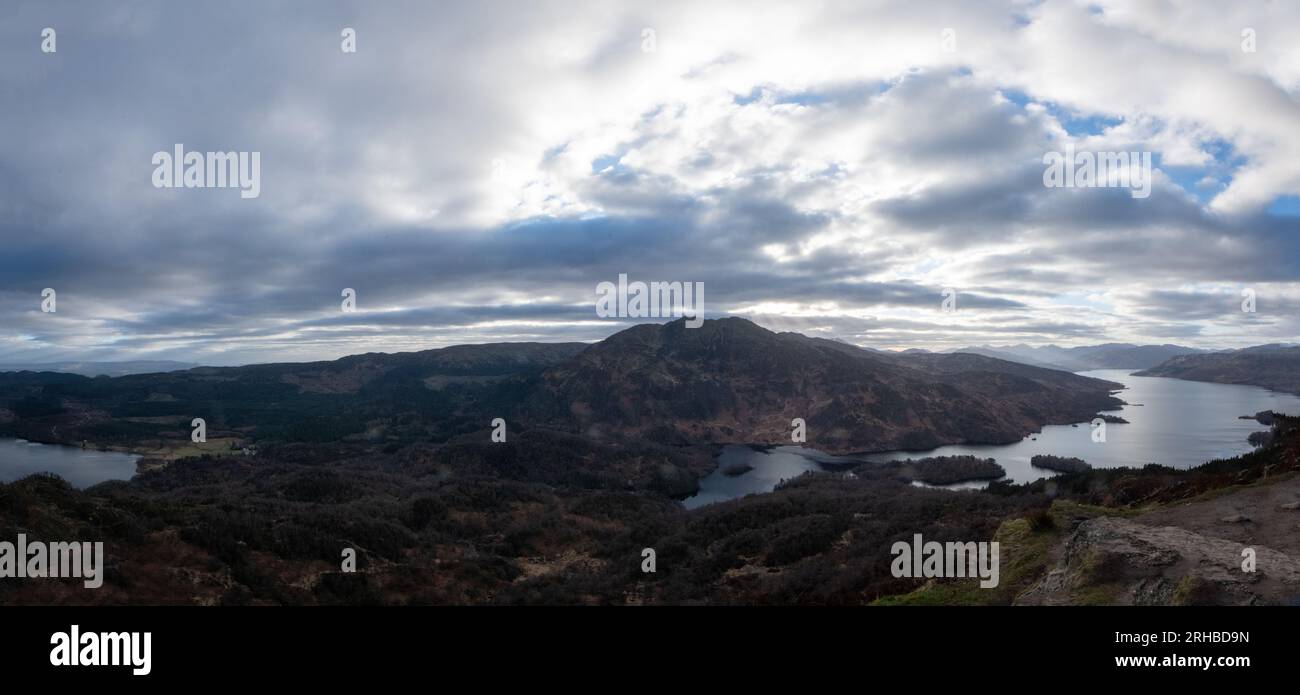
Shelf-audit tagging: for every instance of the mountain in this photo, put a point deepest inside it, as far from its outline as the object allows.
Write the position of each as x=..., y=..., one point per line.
x=1011, y=354
x=100, y=368
x=1078, y=359
x=1274, y=367
x=728, y=381
x=375, y=397
x=1124, y=356
x=731, y=381
x=388, y=454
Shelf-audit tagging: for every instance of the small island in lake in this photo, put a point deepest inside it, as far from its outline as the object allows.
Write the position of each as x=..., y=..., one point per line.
x=946, y=470
x=1263, y=417
x=1060, y=464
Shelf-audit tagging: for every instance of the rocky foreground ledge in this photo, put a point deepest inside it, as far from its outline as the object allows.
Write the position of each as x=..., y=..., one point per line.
x=1116, y=561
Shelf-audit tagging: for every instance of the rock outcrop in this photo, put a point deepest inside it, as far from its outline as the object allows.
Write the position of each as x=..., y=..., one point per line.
x=1109, y=560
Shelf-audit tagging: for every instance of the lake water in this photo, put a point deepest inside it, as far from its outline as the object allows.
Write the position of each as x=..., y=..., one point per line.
x=1171, y=422
x=80, y=467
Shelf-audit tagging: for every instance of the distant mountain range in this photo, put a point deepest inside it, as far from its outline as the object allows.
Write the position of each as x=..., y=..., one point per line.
x=728, y=381
x=1263, y=365
x=1078, y=359
x=93, y=369
x=1274, y=367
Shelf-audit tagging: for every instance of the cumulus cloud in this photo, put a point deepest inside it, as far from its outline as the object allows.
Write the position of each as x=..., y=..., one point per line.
x=475, y=169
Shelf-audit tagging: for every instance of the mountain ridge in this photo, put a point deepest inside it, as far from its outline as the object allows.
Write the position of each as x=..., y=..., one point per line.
x=665, y=382
x=728, y=381
x=93, y=369
x=1275, y=367
x=1086, y=357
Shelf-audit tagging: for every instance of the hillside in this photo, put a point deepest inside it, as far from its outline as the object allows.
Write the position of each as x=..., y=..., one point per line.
x=729, y=381
x=440, y=515
x=374, y=397
x=1270, y=366
x=552, y=521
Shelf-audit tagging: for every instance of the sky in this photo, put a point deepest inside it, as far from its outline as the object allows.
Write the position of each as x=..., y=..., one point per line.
x=474, y=171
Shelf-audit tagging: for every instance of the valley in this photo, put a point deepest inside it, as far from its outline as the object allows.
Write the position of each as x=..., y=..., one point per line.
x=391, y=456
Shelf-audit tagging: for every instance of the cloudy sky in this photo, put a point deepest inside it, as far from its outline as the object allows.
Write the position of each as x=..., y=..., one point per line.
x=474, y=169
